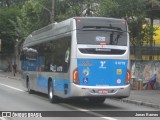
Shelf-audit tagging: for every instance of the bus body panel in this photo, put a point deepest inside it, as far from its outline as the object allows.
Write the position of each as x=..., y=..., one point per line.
x=100, y=91
x=99, y=74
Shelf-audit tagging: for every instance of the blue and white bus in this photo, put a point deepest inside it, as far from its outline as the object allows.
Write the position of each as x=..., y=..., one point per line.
x=81, y=57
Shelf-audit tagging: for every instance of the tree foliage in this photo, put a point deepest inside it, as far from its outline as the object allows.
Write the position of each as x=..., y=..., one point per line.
x=35, y=15
x=38, y=13
x=9, y=12
x=135, y=12
x=71, y=8
x=19, y=18
x=10, y=3
x=7, y=29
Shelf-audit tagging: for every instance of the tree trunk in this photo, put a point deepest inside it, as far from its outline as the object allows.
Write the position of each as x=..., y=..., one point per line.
x=53, y=11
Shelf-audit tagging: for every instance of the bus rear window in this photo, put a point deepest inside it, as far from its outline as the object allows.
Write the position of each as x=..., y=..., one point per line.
x=101, y=31
x=101, y=36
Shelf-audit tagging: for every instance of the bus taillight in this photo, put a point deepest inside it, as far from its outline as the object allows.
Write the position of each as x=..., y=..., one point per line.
x=128, y=77
x=123, y=22
x=75, y=76
x=78, y=20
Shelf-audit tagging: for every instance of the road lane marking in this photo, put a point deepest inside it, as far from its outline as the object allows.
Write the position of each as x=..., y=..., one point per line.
x=1, y=118
x=12, y=87
x=88, y=112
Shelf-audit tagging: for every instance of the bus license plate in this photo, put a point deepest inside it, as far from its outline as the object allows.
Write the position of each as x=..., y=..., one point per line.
x=102, y=91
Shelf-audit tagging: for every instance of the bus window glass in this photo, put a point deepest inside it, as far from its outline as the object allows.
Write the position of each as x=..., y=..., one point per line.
x=98, y=37
x=54, y=56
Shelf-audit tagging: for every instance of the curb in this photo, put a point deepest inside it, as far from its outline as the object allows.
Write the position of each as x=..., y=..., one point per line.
x=138, y=103
x=15, y=78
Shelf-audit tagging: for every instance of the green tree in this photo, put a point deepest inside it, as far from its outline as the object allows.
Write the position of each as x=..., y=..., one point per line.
x=72, y=8
x=35, y=15
x=7, y=29
x=135, y=12
x=38, y=13
x=7, y=32
x=9, y=3
x=9, y=12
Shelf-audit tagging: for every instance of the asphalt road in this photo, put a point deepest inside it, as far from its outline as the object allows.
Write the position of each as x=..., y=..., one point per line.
x=14, y=97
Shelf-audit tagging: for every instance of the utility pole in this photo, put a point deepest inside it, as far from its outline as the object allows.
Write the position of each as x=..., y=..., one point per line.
x=53, y=11
x=151, y=41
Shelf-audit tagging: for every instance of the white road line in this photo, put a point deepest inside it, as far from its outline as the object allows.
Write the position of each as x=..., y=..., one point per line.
x=89, y=112
x=12, y=87
x=1, y=118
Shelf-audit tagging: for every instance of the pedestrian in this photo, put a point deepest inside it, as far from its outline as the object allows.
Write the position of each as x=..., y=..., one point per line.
x=150, y=82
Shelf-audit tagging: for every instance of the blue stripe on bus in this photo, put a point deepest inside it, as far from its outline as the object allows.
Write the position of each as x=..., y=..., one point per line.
x=60, y=85
x=42, y=82
x=99, y=72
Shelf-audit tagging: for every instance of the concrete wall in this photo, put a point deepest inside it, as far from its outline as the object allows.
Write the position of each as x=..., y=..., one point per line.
x=5, y=61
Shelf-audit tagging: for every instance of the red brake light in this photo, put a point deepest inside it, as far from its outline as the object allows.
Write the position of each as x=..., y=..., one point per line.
x=128, y=77
x=75, y=76
x=123, y=22
x=78, y=20
x=103, y=43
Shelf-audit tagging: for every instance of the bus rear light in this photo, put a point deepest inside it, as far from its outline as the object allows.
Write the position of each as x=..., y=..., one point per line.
x=103, y=43
x=123, y=22
x=75, y=77
x=78, y=20
x=128, y=77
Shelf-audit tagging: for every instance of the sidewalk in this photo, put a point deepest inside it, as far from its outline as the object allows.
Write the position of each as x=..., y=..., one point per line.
x=150, y=98
x=10, y=75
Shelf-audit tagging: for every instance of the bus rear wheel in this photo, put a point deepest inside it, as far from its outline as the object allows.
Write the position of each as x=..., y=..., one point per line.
x=97, y=100
x=52, y=97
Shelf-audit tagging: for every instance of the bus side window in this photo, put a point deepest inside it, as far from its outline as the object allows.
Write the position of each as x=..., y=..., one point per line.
x=67, y=56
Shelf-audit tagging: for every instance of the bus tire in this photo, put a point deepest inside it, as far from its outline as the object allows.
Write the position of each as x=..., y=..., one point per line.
x=52, y=97
x=97, y=100
x=30, y=91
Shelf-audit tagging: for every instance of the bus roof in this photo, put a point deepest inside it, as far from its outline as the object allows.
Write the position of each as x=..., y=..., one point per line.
x=54, y=30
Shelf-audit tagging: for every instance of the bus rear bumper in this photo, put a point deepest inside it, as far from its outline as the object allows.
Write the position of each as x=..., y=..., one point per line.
x=100, y=91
